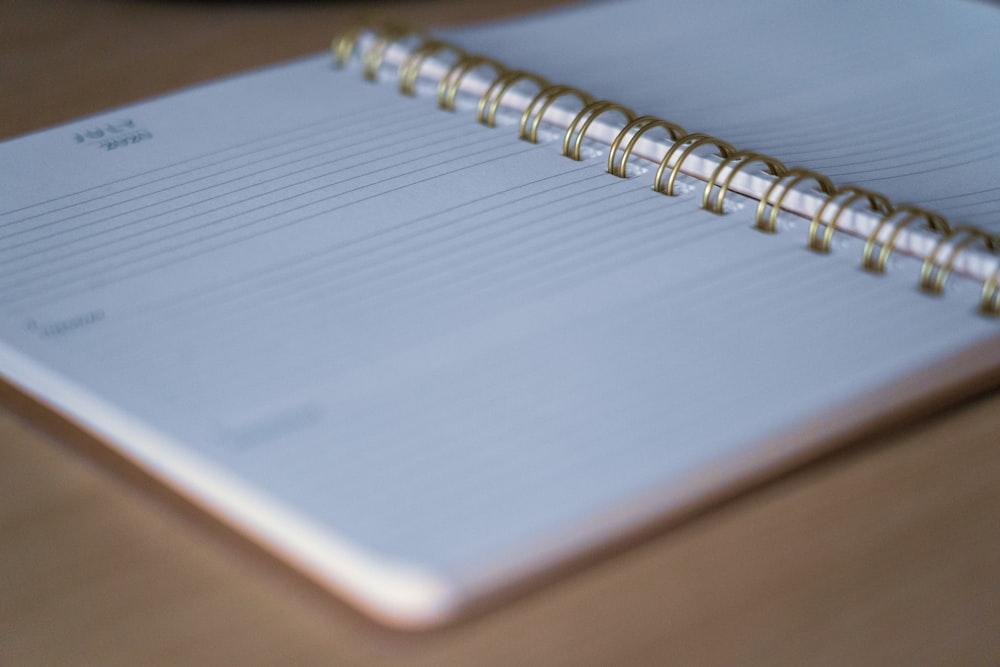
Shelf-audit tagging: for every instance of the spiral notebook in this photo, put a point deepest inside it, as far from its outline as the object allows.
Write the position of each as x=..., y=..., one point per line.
x=439, y=315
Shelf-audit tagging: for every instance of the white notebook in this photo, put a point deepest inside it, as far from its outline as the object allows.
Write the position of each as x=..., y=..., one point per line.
x=424, y=360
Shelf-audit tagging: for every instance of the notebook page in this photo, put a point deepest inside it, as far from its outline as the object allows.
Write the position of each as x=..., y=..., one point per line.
x=898, y=97
x=419, y=357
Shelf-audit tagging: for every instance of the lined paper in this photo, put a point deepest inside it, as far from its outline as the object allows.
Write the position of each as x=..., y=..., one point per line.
x=899, y=97
x=437, y=348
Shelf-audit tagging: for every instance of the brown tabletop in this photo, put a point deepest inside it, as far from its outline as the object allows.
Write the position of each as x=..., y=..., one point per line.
x=887, y=552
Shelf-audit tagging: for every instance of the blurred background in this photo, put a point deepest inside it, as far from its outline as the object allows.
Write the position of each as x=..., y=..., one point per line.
x=60, y=59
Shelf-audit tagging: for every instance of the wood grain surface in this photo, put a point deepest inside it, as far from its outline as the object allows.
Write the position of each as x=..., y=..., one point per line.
x=885, y=553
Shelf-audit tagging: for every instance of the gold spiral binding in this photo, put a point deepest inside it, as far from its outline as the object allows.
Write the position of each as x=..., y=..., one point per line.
x=933, y=222
x=933, y=276
x=693, y=141
x=590, y=112
x=489, y=103
x=792, y=177
x=344, y=43
x=371, y=59
x=409, y=70
x=989, y=303
x=742, y=158
x=877, y=202
x=547, y=97
x=452, y=80
x=644, y=123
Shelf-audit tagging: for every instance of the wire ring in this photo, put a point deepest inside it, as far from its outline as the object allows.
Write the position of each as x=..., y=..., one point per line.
x=743, y=158
x=547, y=97
x=590, y=112
x=933, y=221
x=797, y=175
x=696, y=139
x=343, y=44
x=933, y=276
x=371, y=59
x=877, y=202
x=409, y=71
x=452, y=80
x=644, y=123
x=989, y=304
x=489, y=103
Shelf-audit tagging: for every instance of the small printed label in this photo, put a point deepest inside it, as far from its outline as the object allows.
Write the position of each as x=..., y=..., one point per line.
x=112, y=136
x=273, y=427
x=60, y=327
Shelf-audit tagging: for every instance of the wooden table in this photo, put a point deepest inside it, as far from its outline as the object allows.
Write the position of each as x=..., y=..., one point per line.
x=887, y=552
